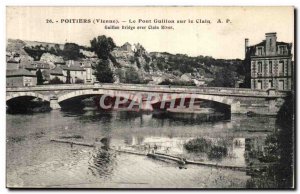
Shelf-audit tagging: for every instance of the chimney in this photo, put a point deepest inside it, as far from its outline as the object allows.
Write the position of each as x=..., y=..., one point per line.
x=246, y=45
x=271, y=39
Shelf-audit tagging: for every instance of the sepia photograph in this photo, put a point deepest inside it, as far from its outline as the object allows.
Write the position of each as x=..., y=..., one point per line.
x=150, y=97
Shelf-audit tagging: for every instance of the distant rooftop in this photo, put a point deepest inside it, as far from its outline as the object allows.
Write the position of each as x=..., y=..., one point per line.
x=19, y=73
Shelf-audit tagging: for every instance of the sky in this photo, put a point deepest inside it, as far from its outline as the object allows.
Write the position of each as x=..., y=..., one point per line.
x=219, y=40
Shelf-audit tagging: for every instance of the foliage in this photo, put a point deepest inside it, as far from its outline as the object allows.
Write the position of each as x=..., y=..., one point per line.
x=55, y=80
x=102, y=46
x=35, y=52
x=103, y=72
x=279, y=150
x=177, y=83
x=132, y=76
x=147, y=67
x=71, y=51
x=39, y=76
x=138, y=64
x=285, y=121
x=214, y=150
x=225, y=77
x=79, y=81
x=197, y=145
x=217, y=152
x=121, y=74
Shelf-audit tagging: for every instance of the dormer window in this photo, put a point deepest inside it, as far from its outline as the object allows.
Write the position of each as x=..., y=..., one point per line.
x=259, y=51
x=282, y=50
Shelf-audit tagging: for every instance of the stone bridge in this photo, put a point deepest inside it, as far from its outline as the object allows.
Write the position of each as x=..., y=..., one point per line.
x=239, y=100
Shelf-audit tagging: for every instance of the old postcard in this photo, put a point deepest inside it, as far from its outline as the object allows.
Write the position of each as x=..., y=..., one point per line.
x=150, y=97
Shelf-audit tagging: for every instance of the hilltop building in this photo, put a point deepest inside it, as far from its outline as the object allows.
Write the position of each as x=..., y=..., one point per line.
x=127, y=47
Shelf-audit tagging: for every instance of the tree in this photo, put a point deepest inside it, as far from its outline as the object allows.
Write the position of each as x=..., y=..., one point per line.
x=102, y=46
x=121, y=74
x=103, y=72
x=225, y=77
x=71, y=51
x=285, y=120
x=132, y=76
x=52, y=51
x=34, y=52
x=279, y=150
x=39, y=77
x=68, y=79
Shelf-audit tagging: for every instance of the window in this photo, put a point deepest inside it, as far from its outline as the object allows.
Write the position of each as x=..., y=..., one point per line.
x=259, y=85
x=259, y=51
x=270, y=83
x=281, y=67
x=260, y=67
x=281, y=85
x=282, y=50
x=270, y=67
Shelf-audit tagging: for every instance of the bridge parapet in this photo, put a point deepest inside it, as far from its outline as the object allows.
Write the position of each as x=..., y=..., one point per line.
x=219, y=91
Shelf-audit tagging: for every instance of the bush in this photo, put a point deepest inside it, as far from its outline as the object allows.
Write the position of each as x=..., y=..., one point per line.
x=132, y=76
x=217, y=152
x=56, y=80
x=79, y=81
x=197, y=145
x=214, y=150
x=177, y=83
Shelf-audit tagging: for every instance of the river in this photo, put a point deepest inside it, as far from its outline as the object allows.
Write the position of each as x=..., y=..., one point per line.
x=34, y=161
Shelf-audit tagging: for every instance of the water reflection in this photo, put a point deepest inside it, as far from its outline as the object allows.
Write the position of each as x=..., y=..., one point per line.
x=102, y=163
x=28, y=138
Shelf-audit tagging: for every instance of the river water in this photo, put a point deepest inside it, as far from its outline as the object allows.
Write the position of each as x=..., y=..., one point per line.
x=34, y=161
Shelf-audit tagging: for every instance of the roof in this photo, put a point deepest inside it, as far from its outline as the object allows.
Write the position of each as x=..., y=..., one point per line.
x=60, y=62
x=263, y=43
x=33, y=65
x=19, y=73
x=126, y=43
x=56, y=71
x=72, y=65
x=13, y=60
x=72, y=68
x=41, y=64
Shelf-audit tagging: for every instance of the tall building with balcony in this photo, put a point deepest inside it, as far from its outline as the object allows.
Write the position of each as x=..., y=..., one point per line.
x=271, y=63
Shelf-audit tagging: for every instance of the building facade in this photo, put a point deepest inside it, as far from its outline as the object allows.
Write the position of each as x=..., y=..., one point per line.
x=20, y=78
x=271, y=64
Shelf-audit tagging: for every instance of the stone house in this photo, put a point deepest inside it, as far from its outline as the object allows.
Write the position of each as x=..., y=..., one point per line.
x=127, y=47
x=57, y=72
x=33, y=66
x=20, y=78
x=80, y=71
x=12, y=63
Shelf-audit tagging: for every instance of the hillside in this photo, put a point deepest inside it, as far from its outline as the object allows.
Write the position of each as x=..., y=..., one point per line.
x=133, y=64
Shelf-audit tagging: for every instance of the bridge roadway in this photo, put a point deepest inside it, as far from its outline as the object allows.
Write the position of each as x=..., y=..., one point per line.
x=240, y=100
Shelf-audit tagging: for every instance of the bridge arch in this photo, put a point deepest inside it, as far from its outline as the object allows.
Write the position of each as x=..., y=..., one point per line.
x=26, y=94
x=111, y=93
